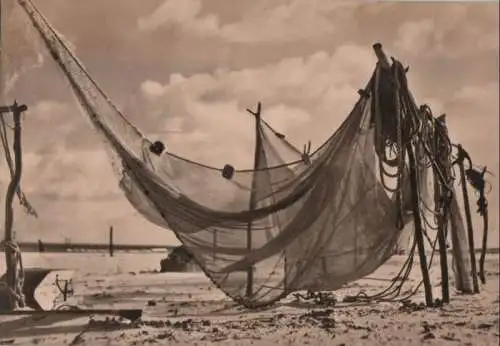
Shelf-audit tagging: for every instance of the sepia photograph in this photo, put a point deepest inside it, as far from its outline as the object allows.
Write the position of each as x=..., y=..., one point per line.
x=249, y=172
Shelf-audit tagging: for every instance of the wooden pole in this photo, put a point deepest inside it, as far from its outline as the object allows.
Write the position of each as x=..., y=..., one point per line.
x=443, y=256
x=441, y=199
x=470, y=231
x=384, y=64
x=11, y=255
x=41, y=248
x=482, y=259
x=429, y=301
x=111, y=245
x=483, y=211
x=252, y=202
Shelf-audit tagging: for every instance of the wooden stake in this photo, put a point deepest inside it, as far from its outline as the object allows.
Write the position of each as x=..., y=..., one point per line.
x=252, y=203
x=111, y=245
x=41, y=247
x=439, y=191
x=419, y=237
x=384, y=64
x=11, y=255
x=443, y=256
x=483, y=211
x=482, y=259
x=468, y=219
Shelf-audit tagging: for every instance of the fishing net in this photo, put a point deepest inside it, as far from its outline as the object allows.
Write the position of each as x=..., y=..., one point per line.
x=461, y=260
x=295, y=221
x=316, y=223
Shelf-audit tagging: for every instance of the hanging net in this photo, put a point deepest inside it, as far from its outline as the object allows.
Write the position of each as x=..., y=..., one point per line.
x=295, y=221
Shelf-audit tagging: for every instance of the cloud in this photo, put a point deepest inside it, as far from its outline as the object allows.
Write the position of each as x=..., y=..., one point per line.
x=315, y=92
x=478, y=105
x=289, y=21
x=58, y=161
x=481, y=94
x=192, y=69
x=21, y=47
x=71, y=175
x=448, y=32
x=68, y=179
x=293, y=21
x=54, y=126
x=184, y=13
x=49, y=110
x=416, y=35
x=14, y=76
x=151, y=89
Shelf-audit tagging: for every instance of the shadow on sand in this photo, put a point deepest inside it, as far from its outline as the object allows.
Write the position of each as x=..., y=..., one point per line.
x=30, y=326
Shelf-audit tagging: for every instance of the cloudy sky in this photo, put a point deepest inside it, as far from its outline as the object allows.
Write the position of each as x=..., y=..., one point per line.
x=185, y=70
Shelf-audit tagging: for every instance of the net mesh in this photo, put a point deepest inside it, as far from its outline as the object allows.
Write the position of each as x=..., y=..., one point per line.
x=293, y=222
x=461, y=260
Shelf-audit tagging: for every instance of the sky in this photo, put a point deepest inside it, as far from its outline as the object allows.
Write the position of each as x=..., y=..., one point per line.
x=185, y=71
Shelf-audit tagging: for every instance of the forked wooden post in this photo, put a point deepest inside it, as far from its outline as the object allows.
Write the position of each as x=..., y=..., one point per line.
x=384, y=64
x=258, y=150
x=12, y=257
x=484, y=246
x=462, y=154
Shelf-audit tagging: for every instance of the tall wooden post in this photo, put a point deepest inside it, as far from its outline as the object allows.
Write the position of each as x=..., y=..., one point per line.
x=12, y=257
x=111, y=245
x=470, y=231
x=384, y=64
x=418, y=227
x=443, y=256
x=484, y=247
x=252, y=202
x=441, y=198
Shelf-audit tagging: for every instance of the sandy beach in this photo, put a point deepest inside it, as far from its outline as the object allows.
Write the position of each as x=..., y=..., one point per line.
x=185, y=309
x=311, y=126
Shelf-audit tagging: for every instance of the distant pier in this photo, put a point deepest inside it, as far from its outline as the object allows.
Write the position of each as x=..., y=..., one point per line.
x=83, y=247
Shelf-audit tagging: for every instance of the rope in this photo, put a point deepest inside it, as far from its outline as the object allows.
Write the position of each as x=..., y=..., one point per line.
x=16, y=293
x=420, y=128
x=14, y=281
x=382, y=143
x=476, y=179
x=28, y=208
x=413, y=126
